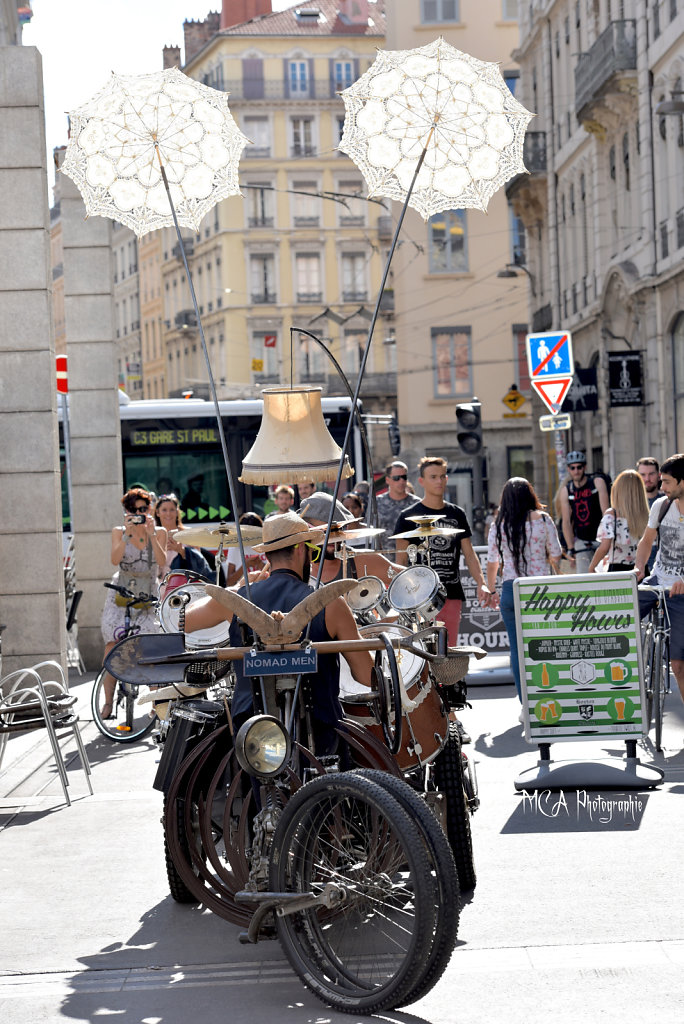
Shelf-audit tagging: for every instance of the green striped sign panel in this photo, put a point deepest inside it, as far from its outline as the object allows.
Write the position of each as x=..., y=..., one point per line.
x=579, y=641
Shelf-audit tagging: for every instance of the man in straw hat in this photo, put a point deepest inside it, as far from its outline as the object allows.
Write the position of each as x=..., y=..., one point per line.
x=287, y=540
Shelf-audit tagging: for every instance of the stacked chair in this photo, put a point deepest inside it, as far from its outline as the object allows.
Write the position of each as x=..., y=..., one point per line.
x=38, y=698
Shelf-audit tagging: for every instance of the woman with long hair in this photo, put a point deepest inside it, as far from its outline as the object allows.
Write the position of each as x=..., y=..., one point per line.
x=524, y=541
x=139, y=554
x=622, y=526
x=168, y=513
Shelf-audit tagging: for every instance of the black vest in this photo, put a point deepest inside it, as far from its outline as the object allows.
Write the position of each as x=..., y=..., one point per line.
x=282, y=591
x=585, y=506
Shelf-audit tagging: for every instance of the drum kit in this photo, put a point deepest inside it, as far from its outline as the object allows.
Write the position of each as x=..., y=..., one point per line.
x=183, y=589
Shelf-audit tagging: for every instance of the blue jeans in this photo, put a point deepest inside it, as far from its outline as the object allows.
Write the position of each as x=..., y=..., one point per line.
x=508, y=616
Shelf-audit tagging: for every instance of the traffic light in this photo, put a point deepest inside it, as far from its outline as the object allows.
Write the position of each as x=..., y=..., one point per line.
x=469, y=419
x=394, y=437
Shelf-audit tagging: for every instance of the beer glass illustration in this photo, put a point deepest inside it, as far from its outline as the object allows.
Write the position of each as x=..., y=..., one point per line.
x=549, y=710
x=617, y=672
x=620, y=705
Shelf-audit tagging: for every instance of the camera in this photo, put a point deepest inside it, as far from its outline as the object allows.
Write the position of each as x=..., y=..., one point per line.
x=137, y=519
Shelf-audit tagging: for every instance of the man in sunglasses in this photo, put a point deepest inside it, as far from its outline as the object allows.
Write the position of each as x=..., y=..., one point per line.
x=393, y=502
x=583, y=501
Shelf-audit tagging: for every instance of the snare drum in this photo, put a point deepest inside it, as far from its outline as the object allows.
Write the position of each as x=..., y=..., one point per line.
x=190, y=721
x=368, y=596
x=425, y=728
x=169, y=613
x=418, y=591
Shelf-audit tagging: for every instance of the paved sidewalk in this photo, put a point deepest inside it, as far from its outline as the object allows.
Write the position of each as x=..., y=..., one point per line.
x=576, y=917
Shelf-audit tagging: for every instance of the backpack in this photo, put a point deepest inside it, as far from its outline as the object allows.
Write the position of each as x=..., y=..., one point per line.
x=661, y=515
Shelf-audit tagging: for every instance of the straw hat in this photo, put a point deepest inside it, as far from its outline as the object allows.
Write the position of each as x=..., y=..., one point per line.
x=317, y=506
x=286, y=530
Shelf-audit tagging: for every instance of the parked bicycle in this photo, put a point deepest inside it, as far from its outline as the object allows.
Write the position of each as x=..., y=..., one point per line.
x=128, y=721
x=656, y=659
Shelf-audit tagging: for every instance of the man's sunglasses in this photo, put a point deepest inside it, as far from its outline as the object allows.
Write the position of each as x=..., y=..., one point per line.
x=315, y=550
x=402, y=476
x=578, y=466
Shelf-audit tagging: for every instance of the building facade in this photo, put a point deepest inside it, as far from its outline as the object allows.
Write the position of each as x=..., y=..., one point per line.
x=460, y=328
x=302, y=247
x=604, y=212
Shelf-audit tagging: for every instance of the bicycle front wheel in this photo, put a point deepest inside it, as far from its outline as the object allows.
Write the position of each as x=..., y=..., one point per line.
x=369, y=949
x=129, y=720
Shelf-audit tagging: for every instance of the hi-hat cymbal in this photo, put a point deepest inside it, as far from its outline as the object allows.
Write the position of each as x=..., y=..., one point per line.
x=429, y=531
x=201, y=537
x=426, y=520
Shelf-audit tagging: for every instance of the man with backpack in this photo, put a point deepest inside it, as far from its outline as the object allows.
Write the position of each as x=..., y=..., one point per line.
x=583, y=501
x=666, y=525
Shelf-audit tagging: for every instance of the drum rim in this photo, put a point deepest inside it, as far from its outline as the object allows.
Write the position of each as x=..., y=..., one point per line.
x=193, y=641
x=427, y=600
x=378, y=599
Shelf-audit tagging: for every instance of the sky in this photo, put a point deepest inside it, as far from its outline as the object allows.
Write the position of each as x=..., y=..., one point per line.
x=81, y=43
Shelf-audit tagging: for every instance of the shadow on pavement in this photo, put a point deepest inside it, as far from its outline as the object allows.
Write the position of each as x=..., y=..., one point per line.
x=578, y=810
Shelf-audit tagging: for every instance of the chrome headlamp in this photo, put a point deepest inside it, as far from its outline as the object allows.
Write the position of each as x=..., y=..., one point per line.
x=262, y=746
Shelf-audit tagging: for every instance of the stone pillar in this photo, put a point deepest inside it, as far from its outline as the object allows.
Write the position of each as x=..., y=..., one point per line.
x=32, y=580
x=94, y=408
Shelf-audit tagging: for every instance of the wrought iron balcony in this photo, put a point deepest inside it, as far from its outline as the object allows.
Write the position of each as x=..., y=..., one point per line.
x=387, y=301
x=263, y=298
x=534, y=152
x=384, y=227
x=188, y=245
x=260, y=222
x=185, y=319
x=542, y=319
x=613, y=51
x=355, y=296
x=309, y=296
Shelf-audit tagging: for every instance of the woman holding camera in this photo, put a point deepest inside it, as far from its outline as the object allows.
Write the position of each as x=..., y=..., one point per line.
x=139, y=552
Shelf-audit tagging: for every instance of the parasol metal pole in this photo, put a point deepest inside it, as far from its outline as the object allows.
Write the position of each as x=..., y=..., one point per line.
x=361, y=425
x=364, y=358
x=212, y=386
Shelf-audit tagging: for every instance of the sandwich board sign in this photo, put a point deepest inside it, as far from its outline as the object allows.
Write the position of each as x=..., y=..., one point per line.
x=579, y=642
x=551, y=366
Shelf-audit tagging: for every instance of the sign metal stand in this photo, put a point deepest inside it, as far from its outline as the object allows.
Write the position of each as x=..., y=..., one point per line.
x=581, y=672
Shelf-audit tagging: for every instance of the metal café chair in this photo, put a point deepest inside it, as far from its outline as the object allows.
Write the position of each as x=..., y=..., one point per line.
x=28, y=702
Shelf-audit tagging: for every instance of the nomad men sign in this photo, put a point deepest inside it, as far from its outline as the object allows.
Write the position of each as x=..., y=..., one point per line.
x=579, y=640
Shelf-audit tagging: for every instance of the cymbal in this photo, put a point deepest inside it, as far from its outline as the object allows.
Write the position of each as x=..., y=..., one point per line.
x=363, y=534
x=428, y=531
x=201, y=537
x=426, y=520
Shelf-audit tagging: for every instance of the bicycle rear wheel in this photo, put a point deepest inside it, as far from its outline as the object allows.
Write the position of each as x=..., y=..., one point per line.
x=658, y=687
x=129, y=721
x=370, y=949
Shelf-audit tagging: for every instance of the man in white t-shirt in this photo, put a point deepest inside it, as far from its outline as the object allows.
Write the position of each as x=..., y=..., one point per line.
x=668, y=569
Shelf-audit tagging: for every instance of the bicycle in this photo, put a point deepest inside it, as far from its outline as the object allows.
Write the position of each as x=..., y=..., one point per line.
x=127, y=722
x=656, y=659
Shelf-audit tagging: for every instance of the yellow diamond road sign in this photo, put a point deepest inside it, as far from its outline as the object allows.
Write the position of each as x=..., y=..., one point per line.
x=514, y=399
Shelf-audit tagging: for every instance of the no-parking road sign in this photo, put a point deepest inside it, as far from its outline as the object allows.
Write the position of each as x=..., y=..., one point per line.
x=549, y=357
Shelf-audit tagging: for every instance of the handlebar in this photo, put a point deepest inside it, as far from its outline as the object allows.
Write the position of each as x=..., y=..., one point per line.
x=128, y=594
x=654, y=589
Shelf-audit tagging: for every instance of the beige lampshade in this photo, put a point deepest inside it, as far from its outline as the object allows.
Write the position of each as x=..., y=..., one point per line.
x=293, y=443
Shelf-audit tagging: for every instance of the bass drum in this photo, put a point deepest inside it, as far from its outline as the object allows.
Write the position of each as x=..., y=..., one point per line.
x=418, y=590
x=425, y=728
x=169, y=613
